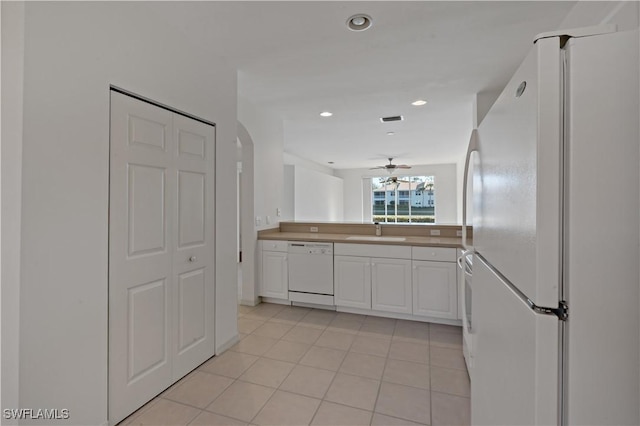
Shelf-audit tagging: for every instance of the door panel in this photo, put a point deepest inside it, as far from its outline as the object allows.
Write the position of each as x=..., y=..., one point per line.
x=391, y=285
x=435, y=290
x=516, y=213
x=191, y=200
x=161, y=250
x=140, y=275
x=146, y=196
x=147, y=328
x=274, y=275
x=353, y=281
x=191, y=309
x=516, y=351
x=146, y=132
x=194, y=233
x=191, y=144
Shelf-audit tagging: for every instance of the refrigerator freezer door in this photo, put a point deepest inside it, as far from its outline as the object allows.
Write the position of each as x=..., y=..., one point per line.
x=516, y=374
x=517, y=177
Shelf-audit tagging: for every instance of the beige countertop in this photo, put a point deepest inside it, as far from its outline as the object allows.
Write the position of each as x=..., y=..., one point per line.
x=455, y=242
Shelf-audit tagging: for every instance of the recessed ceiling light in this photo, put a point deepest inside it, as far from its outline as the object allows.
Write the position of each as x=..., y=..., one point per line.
x=359, y=22
x=419, y=102
x=330, y=162
x=326, y=114
x=391, y=133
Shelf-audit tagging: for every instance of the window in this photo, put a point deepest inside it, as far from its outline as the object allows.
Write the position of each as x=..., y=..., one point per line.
x=405, y=199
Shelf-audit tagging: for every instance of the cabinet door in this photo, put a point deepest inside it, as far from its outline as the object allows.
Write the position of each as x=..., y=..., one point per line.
x=352, y=281
x=435, y=289
x=275, y=282
x=391, y=285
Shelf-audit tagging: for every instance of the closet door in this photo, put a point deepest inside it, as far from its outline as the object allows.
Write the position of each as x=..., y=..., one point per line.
x=161, y=250
x=142, y=192
x=193, y=253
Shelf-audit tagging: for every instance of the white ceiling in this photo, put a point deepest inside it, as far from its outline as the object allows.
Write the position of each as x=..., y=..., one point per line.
x=298, y=58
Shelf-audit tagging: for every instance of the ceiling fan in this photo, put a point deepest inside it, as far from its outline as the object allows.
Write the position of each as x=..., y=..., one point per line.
x=393, y=180
x=391, y=167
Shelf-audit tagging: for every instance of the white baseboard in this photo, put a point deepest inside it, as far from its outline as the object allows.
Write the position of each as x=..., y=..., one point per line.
x=395, y=315
x=249, y=302
x=276, y=301
x=228, y=344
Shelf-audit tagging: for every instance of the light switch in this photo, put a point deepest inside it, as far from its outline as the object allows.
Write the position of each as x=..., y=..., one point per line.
x=278, y=212
x=268, y=220
x=435, y=232
x=258, y=221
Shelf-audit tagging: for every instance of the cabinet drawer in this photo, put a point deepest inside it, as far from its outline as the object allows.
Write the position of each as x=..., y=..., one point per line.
x=272, y=245
x=373, y=250
x=440, y=254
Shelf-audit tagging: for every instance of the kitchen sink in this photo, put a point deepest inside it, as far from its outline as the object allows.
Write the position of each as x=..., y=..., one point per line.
x=371, y=238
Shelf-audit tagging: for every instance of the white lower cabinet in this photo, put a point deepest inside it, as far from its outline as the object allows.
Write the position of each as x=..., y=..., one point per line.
x=435, y=289
x=352, y=281
x=391, y=285
x=373, y=283
x=411, y=281
x=275, y=276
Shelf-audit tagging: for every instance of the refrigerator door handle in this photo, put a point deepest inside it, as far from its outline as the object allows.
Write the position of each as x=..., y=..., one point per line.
x=473, y=146
x=465, y=268
x=562, y=311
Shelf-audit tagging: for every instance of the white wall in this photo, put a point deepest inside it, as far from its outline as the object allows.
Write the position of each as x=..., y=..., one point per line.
x=587, y=13
x=12, y=25
x=312, y=165
x=249, y=235
x=266, y=131
x=73, y=52
x=446, y=190
x=288, y=201
x=315, y=196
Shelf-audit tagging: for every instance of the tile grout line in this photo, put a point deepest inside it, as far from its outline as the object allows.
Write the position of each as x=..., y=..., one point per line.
x=375, y=403
x=348, y=350
x=332, y=380
x=288, y=374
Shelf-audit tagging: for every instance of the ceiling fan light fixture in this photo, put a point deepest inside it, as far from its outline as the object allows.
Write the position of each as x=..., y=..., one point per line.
x=359, y=22
x=391, y=133
x=391, y=167
x=419, y=102
x=391, y=118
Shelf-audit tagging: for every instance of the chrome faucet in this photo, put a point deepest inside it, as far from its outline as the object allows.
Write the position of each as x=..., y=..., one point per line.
x=378, y=229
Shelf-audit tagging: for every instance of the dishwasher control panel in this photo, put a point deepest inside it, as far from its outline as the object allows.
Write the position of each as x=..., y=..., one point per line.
x=311, y=248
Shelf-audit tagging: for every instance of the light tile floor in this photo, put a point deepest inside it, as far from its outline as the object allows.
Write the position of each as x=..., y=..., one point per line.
x=301, y=366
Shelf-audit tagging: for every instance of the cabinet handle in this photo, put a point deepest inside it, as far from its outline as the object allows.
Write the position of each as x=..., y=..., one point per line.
x=193, y=259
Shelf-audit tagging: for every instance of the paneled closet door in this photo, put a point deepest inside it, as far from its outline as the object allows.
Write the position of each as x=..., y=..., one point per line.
x=161, y=258
x=193, y=236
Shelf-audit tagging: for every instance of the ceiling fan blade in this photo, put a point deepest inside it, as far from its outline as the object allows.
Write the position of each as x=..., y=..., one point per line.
x=402, y=166
x=376, y=168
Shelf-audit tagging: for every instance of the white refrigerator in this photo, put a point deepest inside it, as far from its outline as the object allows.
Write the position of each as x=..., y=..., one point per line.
x=555, y=285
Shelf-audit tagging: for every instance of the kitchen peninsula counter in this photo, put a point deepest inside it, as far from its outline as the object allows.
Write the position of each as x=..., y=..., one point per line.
x=414, y=235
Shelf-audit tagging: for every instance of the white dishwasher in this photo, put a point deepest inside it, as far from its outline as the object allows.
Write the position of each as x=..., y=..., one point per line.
x=311, y=272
